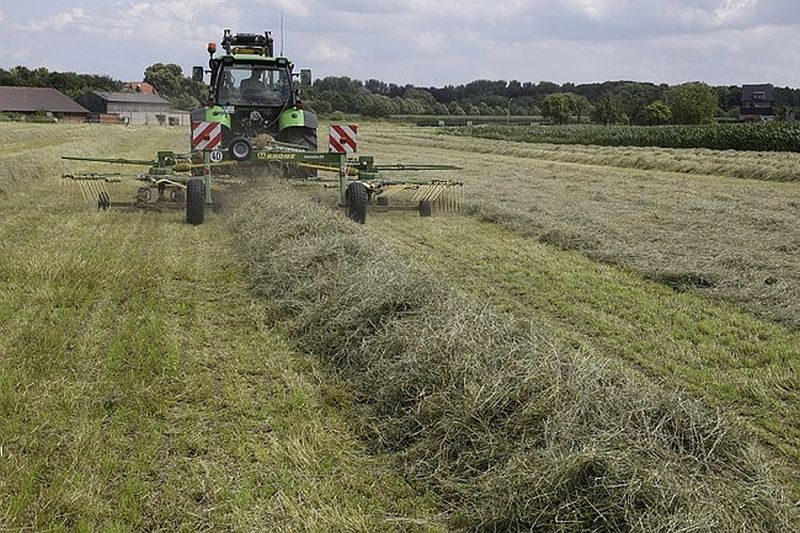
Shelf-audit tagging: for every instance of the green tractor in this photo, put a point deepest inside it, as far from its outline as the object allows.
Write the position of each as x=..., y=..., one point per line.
x=251, y=93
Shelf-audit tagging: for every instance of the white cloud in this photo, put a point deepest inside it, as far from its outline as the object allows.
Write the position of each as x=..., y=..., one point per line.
x=58, y=22
x=594, y=9
x=735, y=10
x=293, y=7
x=333, y=52
x=433, y=41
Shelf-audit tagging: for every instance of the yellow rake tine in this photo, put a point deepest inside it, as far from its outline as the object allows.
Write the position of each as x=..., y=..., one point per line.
x=84, y=193
x=393, y=190
x=434, y=193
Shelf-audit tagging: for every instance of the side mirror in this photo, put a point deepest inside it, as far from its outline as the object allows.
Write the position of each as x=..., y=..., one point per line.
x=198, y=73
x=305, y=77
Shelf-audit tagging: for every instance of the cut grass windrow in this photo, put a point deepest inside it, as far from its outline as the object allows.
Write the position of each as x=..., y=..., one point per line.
x=514, y=430
x=766, y=166
x=713, y=350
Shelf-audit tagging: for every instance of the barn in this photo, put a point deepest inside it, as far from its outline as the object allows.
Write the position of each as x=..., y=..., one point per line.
x=135, y=108
x=32, y=100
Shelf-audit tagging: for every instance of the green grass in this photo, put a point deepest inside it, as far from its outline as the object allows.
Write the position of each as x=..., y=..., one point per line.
x=142, y=387
x=774, y=137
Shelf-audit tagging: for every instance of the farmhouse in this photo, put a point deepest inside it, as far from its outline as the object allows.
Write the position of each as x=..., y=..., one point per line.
x=135, y=108
x=30, y=100
x=758, y=102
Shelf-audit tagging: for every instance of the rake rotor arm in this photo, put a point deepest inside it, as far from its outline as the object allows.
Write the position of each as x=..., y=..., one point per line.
x=414, y=168
x=387, y=183
x=117, y=161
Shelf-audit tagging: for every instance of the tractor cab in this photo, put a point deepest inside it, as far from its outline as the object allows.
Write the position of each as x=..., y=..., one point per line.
x=251, y=93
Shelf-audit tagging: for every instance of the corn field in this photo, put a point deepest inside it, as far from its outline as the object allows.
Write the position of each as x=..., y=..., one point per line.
x=773, y=137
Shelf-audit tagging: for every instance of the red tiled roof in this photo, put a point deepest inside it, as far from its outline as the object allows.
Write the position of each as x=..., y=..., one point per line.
x=141, y=86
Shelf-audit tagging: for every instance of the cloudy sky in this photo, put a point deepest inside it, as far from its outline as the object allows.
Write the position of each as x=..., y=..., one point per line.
x=426, y=42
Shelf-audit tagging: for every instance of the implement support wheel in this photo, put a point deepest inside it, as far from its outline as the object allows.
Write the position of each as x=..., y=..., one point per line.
x=195, y=202
x=357, y=199
x=425, y=208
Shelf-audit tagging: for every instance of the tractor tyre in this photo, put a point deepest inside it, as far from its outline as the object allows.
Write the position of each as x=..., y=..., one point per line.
x=357, y=200
x=425, y=208
x=195, y=202
x=307, y=138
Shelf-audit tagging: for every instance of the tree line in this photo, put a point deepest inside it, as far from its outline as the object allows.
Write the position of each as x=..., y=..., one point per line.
x=70, y=83
x=612, y=102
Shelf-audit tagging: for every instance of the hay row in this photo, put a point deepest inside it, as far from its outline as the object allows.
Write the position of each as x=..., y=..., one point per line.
x=512, y=431
x=767, y=166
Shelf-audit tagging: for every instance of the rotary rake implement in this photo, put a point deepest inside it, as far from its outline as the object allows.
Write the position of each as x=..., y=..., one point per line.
x=172, y=181
x=193, y=181
x=362, y=184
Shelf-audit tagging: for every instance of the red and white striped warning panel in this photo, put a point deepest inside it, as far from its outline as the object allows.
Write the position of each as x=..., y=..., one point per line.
x=343, y=139
x=206, y=135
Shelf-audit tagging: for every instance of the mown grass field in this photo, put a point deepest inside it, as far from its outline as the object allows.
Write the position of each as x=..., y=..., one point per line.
x=729, y=238
x=700, y=161
x=596, y=348
x=141, y=385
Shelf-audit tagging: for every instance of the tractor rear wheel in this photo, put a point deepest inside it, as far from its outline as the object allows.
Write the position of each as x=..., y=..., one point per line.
x=357, y=200
x=195, y=202
x=307, y=138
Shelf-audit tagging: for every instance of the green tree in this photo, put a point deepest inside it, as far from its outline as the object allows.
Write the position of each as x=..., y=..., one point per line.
x=608, y=110
x=421, y=95
x=411, y=107
x=581, y=107
x=181, y=91
x=658, y=113
x=485, y=109
x=378, y=105
x=558, y=107
x=456, y=110
x=471, y=109
x=692, y=103
x=440, y=109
